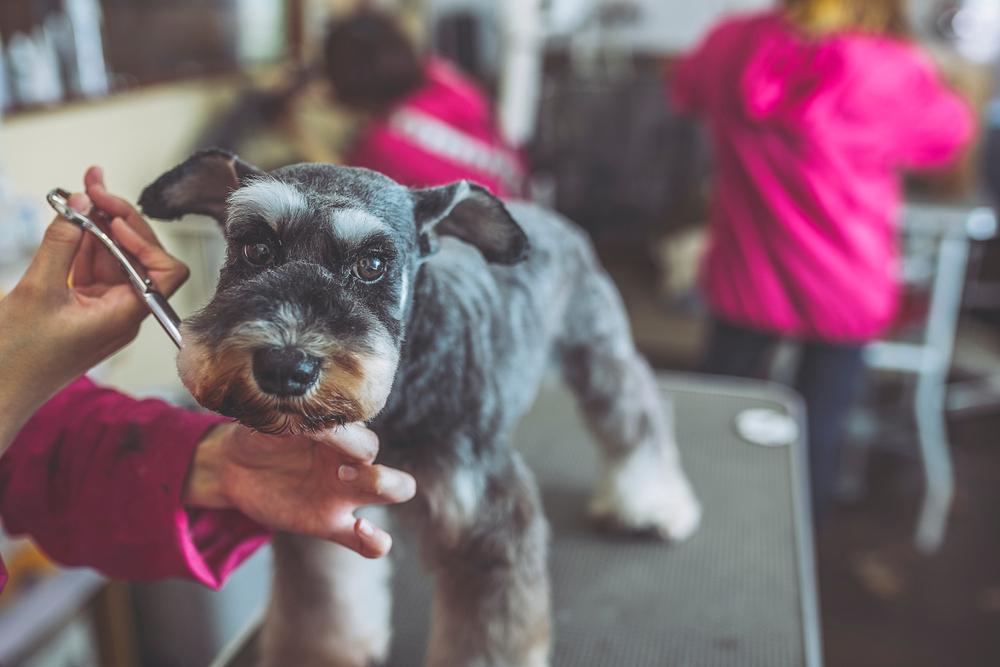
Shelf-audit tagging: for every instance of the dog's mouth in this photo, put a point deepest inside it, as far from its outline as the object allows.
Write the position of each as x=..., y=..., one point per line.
x=286, y=408
x=287, y=390
x=239, y=397
x=274, y=415
x=310, y=420
x=231, y=390
x=287, y=423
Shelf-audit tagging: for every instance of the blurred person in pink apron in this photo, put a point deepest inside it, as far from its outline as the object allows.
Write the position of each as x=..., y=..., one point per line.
x=426, y=123
x=814, y=109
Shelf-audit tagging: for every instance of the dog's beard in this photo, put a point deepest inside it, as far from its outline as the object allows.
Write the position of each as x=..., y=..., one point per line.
x=351, y=388
x=318, y=409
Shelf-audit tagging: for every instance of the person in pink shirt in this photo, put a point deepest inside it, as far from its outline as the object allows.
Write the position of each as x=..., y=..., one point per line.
x=426, y=123
x=813, y=110
x=143, y=489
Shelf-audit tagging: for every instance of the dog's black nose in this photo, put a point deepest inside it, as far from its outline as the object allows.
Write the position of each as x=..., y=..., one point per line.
x=285, y=371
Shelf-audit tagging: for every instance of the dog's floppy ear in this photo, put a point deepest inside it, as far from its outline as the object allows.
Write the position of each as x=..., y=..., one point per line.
x=200, y=184
x=471, y=213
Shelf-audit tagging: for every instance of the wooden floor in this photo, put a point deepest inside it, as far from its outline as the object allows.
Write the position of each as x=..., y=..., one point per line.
x=882, y=603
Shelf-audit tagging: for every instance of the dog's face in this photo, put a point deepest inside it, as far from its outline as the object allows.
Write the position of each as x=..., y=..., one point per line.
x=306, y=325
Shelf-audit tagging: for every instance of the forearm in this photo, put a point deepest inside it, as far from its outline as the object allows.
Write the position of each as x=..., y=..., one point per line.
x=99, y=479
x=14, y=414
x=204, y=486
x=35, y=366
x=20, y=395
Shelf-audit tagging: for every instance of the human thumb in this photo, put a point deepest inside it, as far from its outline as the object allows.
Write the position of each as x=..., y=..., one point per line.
x=54, y=259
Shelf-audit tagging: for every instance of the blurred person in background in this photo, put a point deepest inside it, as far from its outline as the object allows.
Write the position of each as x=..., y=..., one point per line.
x=813, y=109
x=424, y=123
x=140, y=488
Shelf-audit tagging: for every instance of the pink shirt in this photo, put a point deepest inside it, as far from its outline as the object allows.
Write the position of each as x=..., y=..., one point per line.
x=443, y=132
x=95, y=478
x=809, y=138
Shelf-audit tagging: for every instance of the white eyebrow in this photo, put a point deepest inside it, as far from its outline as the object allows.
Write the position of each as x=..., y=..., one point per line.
x=271, y=199
x=353, y=225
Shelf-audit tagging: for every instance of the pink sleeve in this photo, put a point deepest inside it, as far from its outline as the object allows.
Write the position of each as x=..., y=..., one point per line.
x=936, y=124
x=95, y=478
x=684, y=84
x=691, y=78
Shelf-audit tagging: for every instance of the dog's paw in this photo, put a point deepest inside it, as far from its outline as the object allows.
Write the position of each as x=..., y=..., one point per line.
x=320, y=659
x=646, y=494
x=320, y=649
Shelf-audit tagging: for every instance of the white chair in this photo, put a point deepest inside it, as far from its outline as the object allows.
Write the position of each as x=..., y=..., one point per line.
x=936, y=252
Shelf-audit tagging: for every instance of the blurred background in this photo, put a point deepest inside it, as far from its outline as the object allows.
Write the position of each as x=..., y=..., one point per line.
x=578, y=91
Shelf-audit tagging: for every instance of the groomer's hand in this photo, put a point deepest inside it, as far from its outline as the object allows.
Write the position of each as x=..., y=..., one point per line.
x=310, y=485
x=94, y=265
x=73, y=307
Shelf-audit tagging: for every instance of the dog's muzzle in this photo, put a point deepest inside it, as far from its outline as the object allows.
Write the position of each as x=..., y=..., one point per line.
x=285, y=371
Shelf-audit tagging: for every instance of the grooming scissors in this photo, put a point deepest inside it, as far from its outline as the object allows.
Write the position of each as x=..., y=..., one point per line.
x=156, y=302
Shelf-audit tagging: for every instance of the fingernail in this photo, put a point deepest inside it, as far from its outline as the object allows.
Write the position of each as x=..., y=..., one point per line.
x=79, y=202
x=365, y=527
x=347, y=473
x=388, y=482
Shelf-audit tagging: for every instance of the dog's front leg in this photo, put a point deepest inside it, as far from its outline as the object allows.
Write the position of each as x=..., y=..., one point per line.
x=486, y=540
x=329, y=607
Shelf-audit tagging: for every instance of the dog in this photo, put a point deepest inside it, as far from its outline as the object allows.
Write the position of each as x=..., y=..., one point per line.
x=432, y=314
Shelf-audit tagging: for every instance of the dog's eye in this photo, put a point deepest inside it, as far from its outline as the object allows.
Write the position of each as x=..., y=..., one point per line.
x=370, y=268
x=258, y=254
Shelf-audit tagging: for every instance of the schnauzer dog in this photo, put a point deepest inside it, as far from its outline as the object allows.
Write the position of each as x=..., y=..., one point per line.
x=432, y=314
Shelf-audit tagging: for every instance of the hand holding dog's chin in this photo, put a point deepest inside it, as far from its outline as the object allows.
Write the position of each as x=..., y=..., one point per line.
x=309, y=485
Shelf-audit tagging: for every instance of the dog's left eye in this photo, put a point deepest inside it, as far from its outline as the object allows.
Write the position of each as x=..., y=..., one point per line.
x=258, y=254
x=370, y=268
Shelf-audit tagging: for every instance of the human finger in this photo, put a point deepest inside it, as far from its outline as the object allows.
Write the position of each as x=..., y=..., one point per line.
x=83, y=263
x=354, y=441
x=357, y=534
x=170, y=273
x=116, y=206
x=378, y=484
x=54, y=258
x=373, y=542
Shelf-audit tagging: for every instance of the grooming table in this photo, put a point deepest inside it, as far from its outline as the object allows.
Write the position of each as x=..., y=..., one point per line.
x=740, y=593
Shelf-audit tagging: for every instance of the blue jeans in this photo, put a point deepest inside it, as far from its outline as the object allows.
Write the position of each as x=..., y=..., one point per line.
x=828, y=377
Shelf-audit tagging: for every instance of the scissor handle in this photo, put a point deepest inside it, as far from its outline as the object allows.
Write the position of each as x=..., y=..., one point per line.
x=59, y=200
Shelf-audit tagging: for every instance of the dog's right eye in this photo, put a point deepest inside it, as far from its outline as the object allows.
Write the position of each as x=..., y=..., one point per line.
x=258, y=254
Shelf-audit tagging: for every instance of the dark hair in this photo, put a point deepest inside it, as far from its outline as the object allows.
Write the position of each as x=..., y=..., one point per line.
x=876, y=16
x=370, y=62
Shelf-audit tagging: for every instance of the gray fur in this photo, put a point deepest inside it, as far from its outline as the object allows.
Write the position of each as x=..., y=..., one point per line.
x=473, y=339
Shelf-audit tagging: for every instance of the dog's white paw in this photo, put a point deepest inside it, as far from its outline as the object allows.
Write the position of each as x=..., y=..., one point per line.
x=327, y=655
x=646, y=492
x=330, y=607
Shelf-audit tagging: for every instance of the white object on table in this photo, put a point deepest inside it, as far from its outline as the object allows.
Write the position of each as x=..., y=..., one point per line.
x=766, y=427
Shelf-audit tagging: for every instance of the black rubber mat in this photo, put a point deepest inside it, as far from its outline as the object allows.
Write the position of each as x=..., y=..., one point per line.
x=739, y=593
